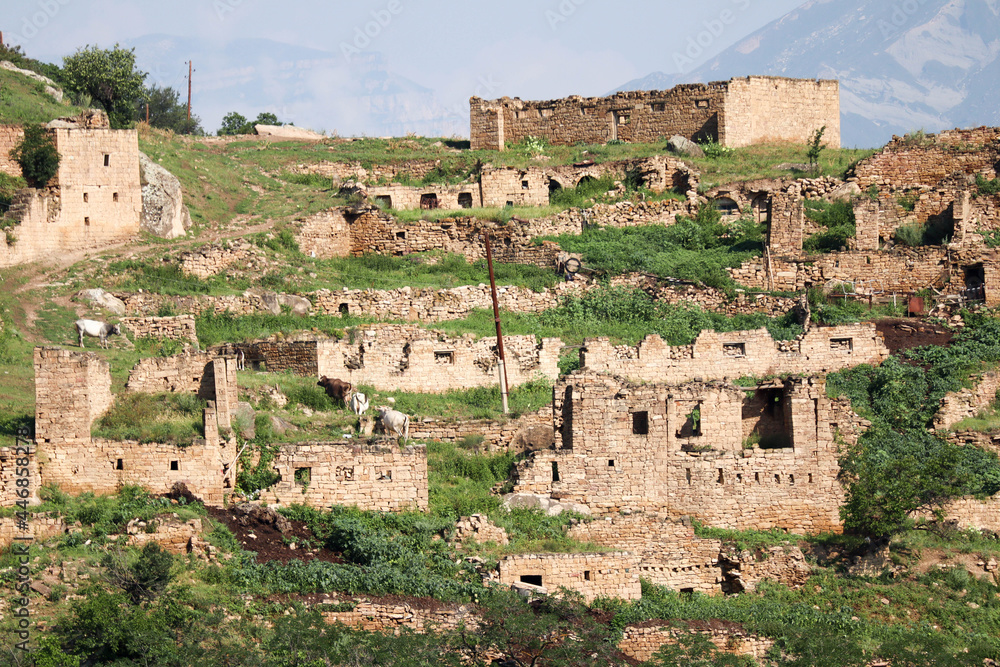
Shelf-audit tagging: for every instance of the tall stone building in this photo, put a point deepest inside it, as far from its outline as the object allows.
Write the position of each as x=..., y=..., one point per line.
x=738, y=112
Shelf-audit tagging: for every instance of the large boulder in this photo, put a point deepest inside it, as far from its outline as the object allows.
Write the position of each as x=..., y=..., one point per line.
x=684, y=147
x=163, y=211
x=101, y=299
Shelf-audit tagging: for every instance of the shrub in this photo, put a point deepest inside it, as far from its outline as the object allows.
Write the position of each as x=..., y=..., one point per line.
x=145, y=577
x=37, y=155
x=987, y=186
x=837, y=217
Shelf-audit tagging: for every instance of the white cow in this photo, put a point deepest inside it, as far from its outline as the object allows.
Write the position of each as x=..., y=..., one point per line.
x=96, y=329
x=395, y=422
x=359, y=404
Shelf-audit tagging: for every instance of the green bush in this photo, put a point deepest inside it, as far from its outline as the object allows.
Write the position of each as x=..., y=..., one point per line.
x=37, y=155
x=987, y=186
x=584, y=194
x=837, y=217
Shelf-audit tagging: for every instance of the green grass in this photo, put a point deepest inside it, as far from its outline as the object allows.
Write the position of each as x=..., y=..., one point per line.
x=837, y=217
x=169, y=418
x=987, y=421
x=24, y=100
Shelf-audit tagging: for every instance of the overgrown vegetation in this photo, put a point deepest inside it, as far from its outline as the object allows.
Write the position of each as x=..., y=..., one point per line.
x=837, y=217
x=37, y=156
x=170, y=418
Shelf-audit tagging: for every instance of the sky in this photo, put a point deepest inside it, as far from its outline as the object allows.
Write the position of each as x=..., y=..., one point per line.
x=533, y=49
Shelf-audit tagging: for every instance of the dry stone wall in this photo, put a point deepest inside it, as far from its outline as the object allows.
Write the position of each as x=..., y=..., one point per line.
x=188, y=372
x=642, y=641
x=593, y=575
x=530, y=431
x=179, y=327
x=214, y=259
x=680, y=449
x=72, y=389
x=737, y=353
x=767, y=109
x=958, y=405
x=40, y=528
x=382, y=617
x=10, y=136
x=377, y=476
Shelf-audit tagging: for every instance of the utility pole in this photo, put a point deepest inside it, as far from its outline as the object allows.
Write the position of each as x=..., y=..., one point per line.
x=496, y=316
x=190, y=72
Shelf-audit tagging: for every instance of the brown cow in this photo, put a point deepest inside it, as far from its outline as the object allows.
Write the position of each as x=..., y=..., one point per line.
x=336, y=389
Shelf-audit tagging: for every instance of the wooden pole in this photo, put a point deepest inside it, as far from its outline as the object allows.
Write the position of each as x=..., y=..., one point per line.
x=190, y=72
x=496, y=316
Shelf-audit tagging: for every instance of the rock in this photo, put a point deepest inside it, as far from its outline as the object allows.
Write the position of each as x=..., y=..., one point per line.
x=366, y=425
x=163, y=211
x=281, y=426
x=845, y=192
x=683, y=146
x=41, y=589
x=300, y=306
x=101, y=299
x=247, y=514
x=527, y=501
x=244, y=419
x=287, y=133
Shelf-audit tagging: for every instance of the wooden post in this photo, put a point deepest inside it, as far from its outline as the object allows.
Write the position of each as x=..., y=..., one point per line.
x=190, y=71
x=496, y=316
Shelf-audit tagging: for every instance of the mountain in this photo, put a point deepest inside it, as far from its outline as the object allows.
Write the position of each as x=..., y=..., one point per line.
x=312, y=88
x=919, y=64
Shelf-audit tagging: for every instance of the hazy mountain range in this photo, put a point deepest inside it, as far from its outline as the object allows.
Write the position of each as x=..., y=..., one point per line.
x=904, y=65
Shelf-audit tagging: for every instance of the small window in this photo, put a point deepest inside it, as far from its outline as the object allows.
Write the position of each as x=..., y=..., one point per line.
x=734, y=349
x=86, y=197
x=401, y=236
x=722, y=477
x=384, y=475
x=114, y=197
x=611, y=463
x=119, y=465
x=524, y=185
x=756, y=477
x=791, y=479
x=86, y=221
x=842, y=344
x=810, y=478
x=687, y=591
x=555, y=471
x=465, y=200
x=702, y=104
x=532, y=579
x=302, y=476
x=444, y=358
x=587, y=576
x=175, y=465
x=777, y=478
x=510, y=204
x=383, y=201
x=640, y=423
x=429, y=201
x=658, y=107
x=689, y=475
x=344, y=473
x=107, y=160
x=344, y=309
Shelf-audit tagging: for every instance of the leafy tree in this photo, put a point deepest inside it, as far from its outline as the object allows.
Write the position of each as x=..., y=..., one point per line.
x=109, y=77
x=815, y=148
x=236, y=123
x=37, y=155
x=695, y=650
x=167, y=112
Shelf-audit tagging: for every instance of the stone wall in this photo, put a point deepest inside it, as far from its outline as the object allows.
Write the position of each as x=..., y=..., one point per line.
x=72, y=389
x=187, y=372
x=738, y=112
x=681, y=449
x=325, y=234
x=18, y=463
x=958, y=405
x=737, y=353
x=95, y=199
x=376, y=476
x=409, y=358
x=383, y=617
x=527, y=431
x=613, y=575
x=213, y=259
x=977, y=514
x=39, y=526
x=515, y=187
x=642, y=640
x=10, y=136
x=179, y=327
x=428, y=197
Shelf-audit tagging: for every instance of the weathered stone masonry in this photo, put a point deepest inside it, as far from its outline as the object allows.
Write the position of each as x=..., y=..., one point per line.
x=738, y=112
x=593, y=575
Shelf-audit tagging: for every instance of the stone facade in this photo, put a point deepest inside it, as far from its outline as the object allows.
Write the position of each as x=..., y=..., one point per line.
x=737, y=353
x=408, y=358
x=179, y=327
x=640, y=642
x=738, y=112
x=377, y=476
x=593, y=575
x=190, y=372
x=10, y=136
x=72, y=389
x=688, y=450
x=95, y=198
x=381, y=617
x=214, y=259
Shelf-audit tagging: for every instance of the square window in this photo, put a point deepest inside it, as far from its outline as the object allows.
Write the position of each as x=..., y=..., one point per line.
x=302, y=476
x=175, y=465
x=444, y=358
x=640, y=423
x=587, y=576
x=611, y=463
x=734, y=349
x=842, y=344
x=532, y=579
x=119, y=465
x=702, y=104
x=524, y=185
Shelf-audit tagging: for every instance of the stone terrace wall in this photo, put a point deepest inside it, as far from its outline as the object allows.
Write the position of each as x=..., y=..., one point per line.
x=764, y=109
x=628, y=447
x=612, y=575
x=10, y=136
x=977, y=514
x=447, y=197
x=958, y=405
x=528, y=431
x=72, y=389
x=179, y=327
x=213, y=259
x=737, y=354
x=641, y=641
x=41, y=528
x=407, y=358
x=325, y=234
x=381, y=617
x=376, y=476
x=669, y=553
x=908, y=163
x=12, y=462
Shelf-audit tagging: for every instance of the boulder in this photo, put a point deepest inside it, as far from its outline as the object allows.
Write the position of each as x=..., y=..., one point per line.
x=163, y=211
x=683, y=146
x=50, y=85
x=245, y=417
x=101, y=299
x=845, y=192
x=300, y=306
x=281, y=426
x=287, y=133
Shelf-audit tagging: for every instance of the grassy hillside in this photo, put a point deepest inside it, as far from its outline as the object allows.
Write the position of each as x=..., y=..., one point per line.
x=24, y=100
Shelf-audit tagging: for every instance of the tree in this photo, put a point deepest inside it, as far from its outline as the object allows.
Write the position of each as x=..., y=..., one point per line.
x=234, y=123
x=815, y=148
x=110, y=77
x=143, y=579
x=37, y=155
x=167, y=112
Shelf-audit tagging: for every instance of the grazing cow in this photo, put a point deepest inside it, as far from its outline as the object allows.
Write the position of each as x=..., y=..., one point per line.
x=96, y=329
x=336, y=389
x=359, y=404
x=395, y=422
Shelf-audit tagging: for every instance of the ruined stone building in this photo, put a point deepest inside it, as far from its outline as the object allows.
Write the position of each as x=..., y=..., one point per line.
x=738, y=112
x=95, y=198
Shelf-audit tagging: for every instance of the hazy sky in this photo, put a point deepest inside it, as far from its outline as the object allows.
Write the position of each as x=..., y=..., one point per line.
x=526, y=48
